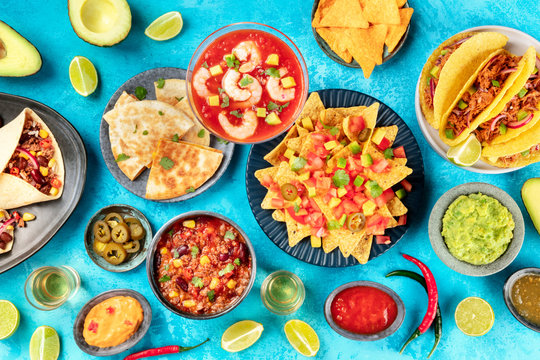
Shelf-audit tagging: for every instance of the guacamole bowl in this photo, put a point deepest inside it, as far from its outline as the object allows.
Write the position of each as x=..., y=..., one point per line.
x=441, y=248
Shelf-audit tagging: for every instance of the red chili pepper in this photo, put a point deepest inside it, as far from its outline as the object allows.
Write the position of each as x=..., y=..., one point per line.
x=45, y=143
x=171, y=349
x=56, y=183
x=16, y=215
x=14, y=171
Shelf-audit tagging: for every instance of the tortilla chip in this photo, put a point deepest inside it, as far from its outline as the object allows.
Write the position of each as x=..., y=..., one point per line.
x=370, y=117
x=295, y=231
x=345, y=152
x=394, y=173
x=390, y=132
x=362, y=250
x=312, y=107
x=395, y=32
x=261, y=173
x=322, y=9
x=278, y=215
x=285, y=174
x=330, y=242
x=172, y=91
x=348, y=240
x=385, y=212
x=381, y=11
x=197, y=134
x=273, y=156
x=401, y=3
x=180, y=167
x=400, y=161
x=124, y=99
x=366, y=43
x=344, y=13
x=333, y=37
x=296, y=143
x=396, y=207
x=267, y=201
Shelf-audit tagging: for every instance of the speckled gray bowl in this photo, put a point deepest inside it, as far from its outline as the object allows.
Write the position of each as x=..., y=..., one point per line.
x=361, y=337
x=133, y=260
x=439, y=246
x=129, y=343
x=507, y=293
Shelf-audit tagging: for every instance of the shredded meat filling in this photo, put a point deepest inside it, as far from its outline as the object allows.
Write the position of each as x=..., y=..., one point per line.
x=510, y=159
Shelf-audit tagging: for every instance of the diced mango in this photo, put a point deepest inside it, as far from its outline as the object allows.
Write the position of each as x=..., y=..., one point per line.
x=54, y=191
x=163, y=251
x=213, y=283
x=43, y=170
x=334, y=202
x=189, y=303
x=273, y=119
x=43, y=134
x=216, y=70
x=378, y=135
x=288, y=153
x=28, y=216
x=307, y=124
x=204, y=260
x=288, y=82
x=303, y=176
x=312, y=192
x=173, y=294
x=51, y=163
x=341, y=192
x=231, y=284
x=315, y=241
x=177, y=263
x=261, y=112
x=330, y=144
x=213, y=100
x=272, y=59
x=369, y=208
x=189, y=224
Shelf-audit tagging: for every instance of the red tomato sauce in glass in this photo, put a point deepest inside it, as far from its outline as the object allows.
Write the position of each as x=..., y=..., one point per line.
x=363, y=310
x=267, y=44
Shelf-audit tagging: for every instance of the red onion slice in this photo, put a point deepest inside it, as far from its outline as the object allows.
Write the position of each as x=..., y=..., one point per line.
x=6, y=224
x=506, y=71
x=31, y=157
x=432, y=88
x=495, y=120
x=458, y=42
x=518, y=124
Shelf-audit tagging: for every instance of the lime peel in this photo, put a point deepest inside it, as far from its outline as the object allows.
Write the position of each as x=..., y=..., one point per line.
x=83, y=75
x=474, y=316
x=241, y=335
x=10, y=319
x=466, y=153
x=302, y=337
x=165, y=27
x=44, y=344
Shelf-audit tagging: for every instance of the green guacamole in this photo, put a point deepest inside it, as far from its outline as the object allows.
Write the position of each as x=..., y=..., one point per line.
x=477, y=228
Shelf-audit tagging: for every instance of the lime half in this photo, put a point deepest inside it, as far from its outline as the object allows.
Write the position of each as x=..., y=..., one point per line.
x=44, y=344
x=241, y=335
x=466, y=153
x=165, y=27
x=474, y=316
x=83, y=75
x=302, y=337
x=10, y=319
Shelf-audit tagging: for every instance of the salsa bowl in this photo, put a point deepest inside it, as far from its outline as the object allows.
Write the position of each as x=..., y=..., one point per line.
x=247, y=83
x=201, y=265
x=507, y=293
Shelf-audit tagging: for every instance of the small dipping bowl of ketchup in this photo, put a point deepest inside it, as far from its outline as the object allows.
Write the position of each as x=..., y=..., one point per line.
x=364, y=311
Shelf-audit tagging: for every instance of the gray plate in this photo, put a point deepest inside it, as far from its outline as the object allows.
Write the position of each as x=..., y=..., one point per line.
x=138, y=186
x=50, y=215
x=437, y=241
x=129, y=343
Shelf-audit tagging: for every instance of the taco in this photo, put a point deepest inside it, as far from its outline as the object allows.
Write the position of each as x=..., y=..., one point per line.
x=490, y=86
x=517, y=115
x=6, y=231
x=450, y=66
x=520, y=151
x=31, y=162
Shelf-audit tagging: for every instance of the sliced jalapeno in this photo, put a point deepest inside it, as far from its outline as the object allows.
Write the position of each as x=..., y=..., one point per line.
x=120, y=233
x=132, y=247
x=364, y=135
x=99, y=247
x=135, y=228
x=289, y=191
x=113, y=219
x=102, y=232
x=356, y=222
x=114, y=253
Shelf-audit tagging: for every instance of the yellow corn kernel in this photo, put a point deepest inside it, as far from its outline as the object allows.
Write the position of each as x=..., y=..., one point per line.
x=272, y=59
x=261, y=112
x=304, y=176
x=33, y=152
x=28, y=217
x=177, y=263
x=369, y=208
x=315, y=241
x=216, y=70
x=1, y=214
x=54, y=191
x=39, y=153
x=9, y=227
x=173, y=294
x=288, y=82
x=214, y=283
x=51, y=163
x=213, y=100
x=23, y=155
x=312, y=192
x=288, y=153
x=188, y=303
x=43, y=170
x=189, y=224
x=204, y=260
x=341, y=192
x=231, y=284
x=43, y=134
x=334, y=202
x=163, y=251
x=330, y=144
x=307, y=124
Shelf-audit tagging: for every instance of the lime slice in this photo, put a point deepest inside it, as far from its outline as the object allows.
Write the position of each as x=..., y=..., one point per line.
x=10, y=319
x=466, y=153
x=83, y=75
x=241, y=335
x=474, y=316
x=165, y=27
x=302, y=337
x=44, y=344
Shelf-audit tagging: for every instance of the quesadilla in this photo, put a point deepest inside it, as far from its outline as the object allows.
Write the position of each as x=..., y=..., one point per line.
x=31, y=162
x=171, y=91
x=197, y=134
x=179, y=168
x=7, y=226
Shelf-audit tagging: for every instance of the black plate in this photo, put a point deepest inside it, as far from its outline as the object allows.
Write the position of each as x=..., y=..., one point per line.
x=138, y=186
x=277, y=231
x=50, y=215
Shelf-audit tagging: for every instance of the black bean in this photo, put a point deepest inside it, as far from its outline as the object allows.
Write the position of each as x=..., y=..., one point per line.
x=36, y=175
x=242, y=252
x=42, y=160
x=5, y=237
x=223, y=257
x=22, y=163
x=183, y=250
x=182, y=283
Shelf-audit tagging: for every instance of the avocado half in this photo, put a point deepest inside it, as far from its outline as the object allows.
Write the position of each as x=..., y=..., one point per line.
x=100, y=22
x=530, y=193
x=18, y=57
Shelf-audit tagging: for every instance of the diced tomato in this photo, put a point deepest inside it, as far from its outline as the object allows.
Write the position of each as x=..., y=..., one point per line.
x=386, y=196
x=379, y=165
x=384, y=144
x=282, y=158
x=339, y=211
x=305, y=202
x=16, y=215
x=359, y=199
x=295, y=216
x=277, y=203
x=316, y=164
x=317, y=219
x=333, y=192
x=320, y=232
x=399, y=152
x=45, y=143
x=311, y=182
x=319, y=173
x=20, y=223
x=318, y=138
x=382, y=240
x=327, y=197
x=406, y=185
x=14, y=171
x=56, y=183
x=319, y=126
x=323, y=183
x=354, y=164
x=349, y=206
x=314, y=205
x=267, y=181
x=275, y=188
x=356, y=124
x=402, y=220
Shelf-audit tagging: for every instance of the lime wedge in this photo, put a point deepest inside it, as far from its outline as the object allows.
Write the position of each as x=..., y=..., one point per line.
x=241, y=335
x=44, y=344
x=83, y=75
x=466, y=153
x=474, y=316
x=10, y=319
x=165, y=27
x=302, y=337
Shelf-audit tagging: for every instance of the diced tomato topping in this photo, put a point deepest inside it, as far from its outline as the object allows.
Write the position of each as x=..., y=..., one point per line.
x=356, y=124
x=110, y=310
x=387, y=195
x=402, y=220
x=324, y=183
x=406, y=185
x=382, y=240
x=354, y=164
x=318, y=138
x=305, y=202
x=283, y=158
x=399, y=152
x=384, y=144
x=349, y=206
x=339, y=211
x=333, y=192
x=317, y=220
x=14, y=171
x=56, y=183
x=311, y=182
x=45, y=143
x=327, y=197
x=379, y=165
x=321, y=232
x=20, y=223
x=314, y=205
x=295, y=216
x=277, y=203
x=93, y=326
x=16, y=215
x=318, y=174
x=316, y=164
x=267, y=181
x=359, y=199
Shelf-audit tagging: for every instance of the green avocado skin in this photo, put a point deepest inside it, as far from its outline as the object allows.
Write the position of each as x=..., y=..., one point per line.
x=530, y=194
x=25, y=60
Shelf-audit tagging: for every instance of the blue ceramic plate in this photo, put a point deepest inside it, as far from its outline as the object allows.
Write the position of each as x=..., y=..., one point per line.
x=277, y=231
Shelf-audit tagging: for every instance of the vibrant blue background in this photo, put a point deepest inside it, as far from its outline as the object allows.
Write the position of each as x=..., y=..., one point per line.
x=47, y=25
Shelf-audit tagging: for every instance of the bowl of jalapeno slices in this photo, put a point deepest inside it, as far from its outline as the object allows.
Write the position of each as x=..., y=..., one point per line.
x=117, y=238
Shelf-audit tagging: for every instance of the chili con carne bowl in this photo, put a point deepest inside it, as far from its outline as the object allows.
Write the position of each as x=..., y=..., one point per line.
x=200, y=265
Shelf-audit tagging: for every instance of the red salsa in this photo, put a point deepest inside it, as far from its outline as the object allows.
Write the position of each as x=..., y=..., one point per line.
x=363, y=310
x=203, y=265
x=247, y=85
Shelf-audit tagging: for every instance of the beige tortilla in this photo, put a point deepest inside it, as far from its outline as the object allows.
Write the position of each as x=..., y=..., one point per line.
x=192, y=136
x=14, y=191
x=172, y=90
x=192, y=166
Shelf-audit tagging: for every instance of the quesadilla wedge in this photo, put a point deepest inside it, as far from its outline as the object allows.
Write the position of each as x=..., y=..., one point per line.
x=197, y=134
x=490, y=86
x=31, y=162
x=179, y=168
x=7, y=227
x=450, y=66
x=171, y=91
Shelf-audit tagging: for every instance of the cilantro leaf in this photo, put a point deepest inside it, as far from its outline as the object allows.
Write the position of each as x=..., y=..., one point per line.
x=160, y=83
x=166, y=163
x=388, y=153
x=204, y=65
x=176, y=254
x=164, y=278
x=237, y=261
x=246, y=80
x=160, y=112
x=175, y=138
x=145, y=132
x=190, y=189
x=197, y=281
x=194, y=251
x=272, y=106
x=340, y=178
x=229, y=235
x=222, y=141
x=225, y=102
x=170, y=232
x=179, y=98
x=166, y=267
x=272, y=72
x=220, y=90
x=201, y=133
x=232, y=62
x=122, y=157
x=296, y=208
x=134, y=131
x=211, y=294
x=334, y=131
x=283, y=106
x=140, y=92
x=374, y=189
x=237, y=114
x=227, y=269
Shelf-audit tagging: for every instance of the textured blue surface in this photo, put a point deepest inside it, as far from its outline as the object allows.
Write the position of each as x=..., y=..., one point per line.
x=48, y=27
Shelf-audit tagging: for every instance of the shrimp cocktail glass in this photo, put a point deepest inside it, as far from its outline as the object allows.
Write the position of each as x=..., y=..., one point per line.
x=247, y=83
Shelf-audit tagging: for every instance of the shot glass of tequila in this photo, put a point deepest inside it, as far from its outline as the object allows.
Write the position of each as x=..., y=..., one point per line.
x=48, y=287
x=282, y=292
